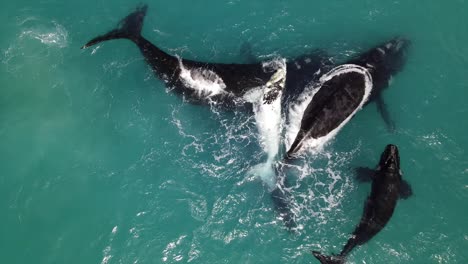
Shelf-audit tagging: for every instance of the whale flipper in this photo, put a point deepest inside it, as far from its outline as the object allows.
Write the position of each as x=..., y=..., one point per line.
x=129, y=27
x=328, y=259
x=405, y=190
x=364, y=174
x=382, y=108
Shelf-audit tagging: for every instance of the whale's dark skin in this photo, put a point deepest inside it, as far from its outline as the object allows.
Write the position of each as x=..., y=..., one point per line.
x=387, y=187
x=383, y=62
x=340, y=96
x=238, y=78
x=336, y=100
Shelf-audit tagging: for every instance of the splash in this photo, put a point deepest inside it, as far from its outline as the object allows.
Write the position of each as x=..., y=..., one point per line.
x=205, y=82
x=36, y=43
x=267, y=111
x=57, y=36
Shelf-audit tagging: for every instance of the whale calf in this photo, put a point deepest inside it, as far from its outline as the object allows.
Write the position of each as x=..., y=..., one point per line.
x=387, y=187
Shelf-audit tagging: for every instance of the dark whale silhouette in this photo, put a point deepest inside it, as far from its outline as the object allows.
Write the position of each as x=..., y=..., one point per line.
x=383, y=62
x=339, y=95
x=387, y=187
x=343, y=91
x=204, y=82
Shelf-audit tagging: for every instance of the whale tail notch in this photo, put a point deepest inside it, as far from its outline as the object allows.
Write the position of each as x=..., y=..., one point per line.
x=129, y=28
x=328, y=259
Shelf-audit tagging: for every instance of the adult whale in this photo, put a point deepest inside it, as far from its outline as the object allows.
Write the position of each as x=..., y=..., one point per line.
x=343, y=91
x=387, y=187
x=201, y=81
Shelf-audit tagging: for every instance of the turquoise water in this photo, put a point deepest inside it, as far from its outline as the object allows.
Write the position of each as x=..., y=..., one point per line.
x=100, y=164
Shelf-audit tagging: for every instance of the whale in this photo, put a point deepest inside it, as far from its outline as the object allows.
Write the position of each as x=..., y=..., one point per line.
x=201, y=82
x=262, y=87
x=387, y=188
x=335, y=95
x=341, y=93
x=383, y=62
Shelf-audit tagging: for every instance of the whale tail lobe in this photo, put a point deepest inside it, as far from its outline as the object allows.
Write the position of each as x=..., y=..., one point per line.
x=328, y=259
x=129, y=28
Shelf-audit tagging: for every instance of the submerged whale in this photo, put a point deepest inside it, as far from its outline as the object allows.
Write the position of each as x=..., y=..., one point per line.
x=224, y=83
x=387, y=187
x=343, y=91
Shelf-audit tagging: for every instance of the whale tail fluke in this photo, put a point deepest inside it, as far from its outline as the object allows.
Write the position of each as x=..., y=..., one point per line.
x=129, y=28
x=328, y=259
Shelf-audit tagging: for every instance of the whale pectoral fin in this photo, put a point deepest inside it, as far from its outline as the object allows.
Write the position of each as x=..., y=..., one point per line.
x=364, y=174
x=328, y=259
x=405, y=190
x=246, y=52
x=382, y=108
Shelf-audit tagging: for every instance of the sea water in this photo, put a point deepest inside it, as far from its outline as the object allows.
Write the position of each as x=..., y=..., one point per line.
x=100, y=163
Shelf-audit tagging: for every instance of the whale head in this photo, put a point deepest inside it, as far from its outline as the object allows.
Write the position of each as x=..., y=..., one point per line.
x=390, y=159
x=390, y=56
x=384, y=60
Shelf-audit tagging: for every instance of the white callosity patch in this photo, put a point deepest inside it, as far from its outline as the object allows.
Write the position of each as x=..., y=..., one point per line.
x=296, y=110
x=205, y=82
x=267, y=111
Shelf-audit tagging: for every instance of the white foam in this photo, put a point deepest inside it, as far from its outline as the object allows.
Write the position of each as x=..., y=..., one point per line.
x=268, y=118
x=205, y=82
x=57, y=36
x=296, y=111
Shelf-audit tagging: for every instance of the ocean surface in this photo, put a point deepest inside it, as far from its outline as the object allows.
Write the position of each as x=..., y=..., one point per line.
x=101, y=163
